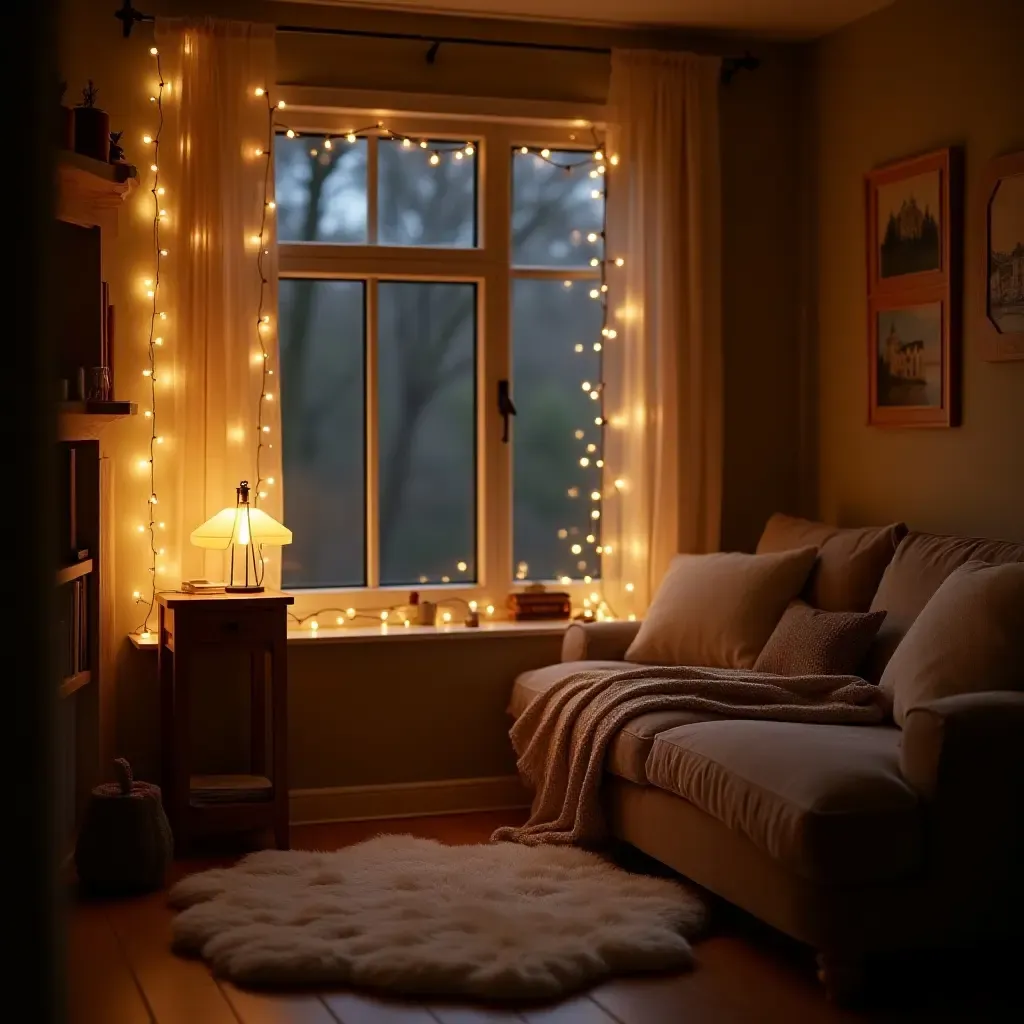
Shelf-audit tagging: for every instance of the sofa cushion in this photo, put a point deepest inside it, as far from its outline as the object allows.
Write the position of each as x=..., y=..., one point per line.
x=627, y=754
x=826, y=801
x=921, y=563
x=810, y=642
x=969, y=638
x=719, y=610
x=850, y=561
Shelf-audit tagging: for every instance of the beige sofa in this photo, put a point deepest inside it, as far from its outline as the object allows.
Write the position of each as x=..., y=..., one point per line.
x=858, y=840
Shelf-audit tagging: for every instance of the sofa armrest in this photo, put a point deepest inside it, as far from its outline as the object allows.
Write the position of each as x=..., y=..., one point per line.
x=962, y=741
x=965, y=756
x=598, y=641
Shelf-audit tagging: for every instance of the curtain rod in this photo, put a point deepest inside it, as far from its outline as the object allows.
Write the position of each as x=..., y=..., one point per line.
x=129, y=17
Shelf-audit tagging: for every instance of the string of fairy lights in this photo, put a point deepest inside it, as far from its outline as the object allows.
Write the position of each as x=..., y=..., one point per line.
x=155, y=341
x=594, y=606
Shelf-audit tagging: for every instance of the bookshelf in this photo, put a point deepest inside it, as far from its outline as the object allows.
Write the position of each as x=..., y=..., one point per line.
x=89, y=196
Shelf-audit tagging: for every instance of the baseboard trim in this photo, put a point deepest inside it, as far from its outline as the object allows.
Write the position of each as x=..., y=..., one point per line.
x=407, y=799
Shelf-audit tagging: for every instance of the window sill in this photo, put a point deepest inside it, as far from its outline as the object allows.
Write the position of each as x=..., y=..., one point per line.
x=370, y=634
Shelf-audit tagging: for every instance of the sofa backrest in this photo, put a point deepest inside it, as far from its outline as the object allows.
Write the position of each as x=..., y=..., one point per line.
x=921, y=563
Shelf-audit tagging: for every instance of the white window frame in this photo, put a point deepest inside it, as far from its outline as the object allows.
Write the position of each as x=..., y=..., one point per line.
x=489, y=266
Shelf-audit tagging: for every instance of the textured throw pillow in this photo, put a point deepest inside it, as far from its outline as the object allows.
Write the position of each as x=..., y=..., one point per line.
x=718, y=610
x=850, y=561
x=968, y=638
x=810, y=642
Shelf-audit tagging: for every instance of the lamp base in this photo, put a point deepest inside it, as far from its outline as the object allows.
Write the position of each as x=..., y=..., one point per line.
x=240, y=589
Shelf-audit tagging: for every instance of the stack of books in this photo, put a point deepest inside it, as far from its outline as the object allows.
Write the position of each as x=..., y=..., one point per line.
x=532, y=605
x=202, y=587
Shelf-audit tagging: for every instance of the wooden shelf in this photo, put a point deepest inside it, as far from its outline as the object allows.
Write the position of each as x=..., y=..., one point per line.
x=83, y=421
x=72, y=572
x=74, y=683
x=90, y=192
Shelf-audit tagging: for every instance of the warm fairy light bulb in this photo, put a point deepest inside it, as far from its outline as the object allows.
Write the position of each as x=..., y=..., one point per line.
x=611, y=333
x=406, y=143
x=271, y=205
x=585, y=385
x=489, y=609
x=159, y=439
x=562, y=534
x=258, y=151
x=314, y=625
x=327, y=143
x=614, y=159
x=631, y=617
x=147, y=139
x=461, y=566
x=591, y=447
x=595, y=513
x=584, y=462
x=595, y=262
x=595, y=395
x=599, y=463
x=523, y=150
x=148, y=282
x=591, y=538
x=163, y=252
x=163, y=526
x=163, y=213
x=266, y=430
x=153, y=167
x=545, y=153
x=619, y=261
x=446, y=616
x=161, y=190
x=290, y=133
x=140, y=527
x=598, y=155
x=258, y=91
x=578, y=347
x=598, y=421
x=384, y=616
x=620, y=483
x=136, y=595
x=144, y=635
x=340, y=621
x=592, y=236
x=595, y=193
x=152, y=99
x=472, y=606
x=446, y=579
x=604, y=288
x=147, y=372
x=597, y=346
x=576, y=549
x=153, y=50
x=434, y=159
x=594, y=293
x=150, y=293
x=629, y=588
x=565, y=580
x=153, y=499
x=255, y=239
x=265, y=318
x=423, y=144
x=147, y=414
x=458, y=154
x=470, y=149
x=350, y=137
x=601, y=169
x=567, y=284
x=269, y=396
x=263, y=494
x=280, y=104
x=350, y=612
x=595, y=495
x=578, y=435
x=270, y=480
x=607, y=549
x=593, y=174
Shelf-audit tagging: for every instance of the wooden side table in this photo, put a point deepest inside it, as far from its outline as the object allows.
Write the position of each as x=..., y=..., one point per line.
x=256, y=624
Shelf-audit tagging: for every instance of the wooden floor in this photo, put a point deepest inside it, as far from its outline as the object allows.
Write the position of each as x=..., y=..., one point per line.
x=121, y=971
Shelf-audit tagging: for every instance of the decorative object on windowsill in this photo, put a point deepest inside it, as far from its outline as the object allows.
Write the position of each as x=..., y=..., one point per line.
x=999, y=269
x=92, y=127
x=537, y=602
x=247, y=527
x=99, y=384
x=116, y=149
x=125, y=844
x=425, y=612
x=65, y=126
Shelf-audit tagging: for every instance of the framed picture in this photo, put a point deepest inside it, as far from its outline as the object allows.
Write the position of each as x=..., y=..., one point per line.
x=999, y=267
x=912, y=361
x=914, y=215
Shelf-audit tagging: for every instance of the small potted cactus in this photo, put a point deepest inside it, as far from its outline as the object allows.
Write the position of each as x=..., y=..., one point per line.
x=65, y=122
x=116, y=149
x=92, y=126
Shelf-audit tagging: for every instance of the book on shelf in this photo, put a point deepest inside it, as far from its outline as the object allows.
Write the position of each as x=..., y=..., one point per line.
x=202, y=586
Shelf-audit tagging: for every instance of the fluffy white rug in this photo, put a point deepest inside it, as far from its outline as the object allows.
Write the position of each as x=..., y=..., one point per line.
x=411, y=915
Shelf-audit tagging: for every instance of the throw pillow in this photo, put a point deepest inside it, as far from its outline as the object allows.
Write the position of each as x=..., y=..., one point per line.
x=719, y=610
x=810, y=642
x=850, y=561
x=968, y=638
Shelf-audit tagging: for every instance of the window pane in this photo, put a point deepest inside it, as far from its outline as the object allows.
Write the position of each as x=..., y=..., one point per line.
x=553, y=210
x=420, y=203
x=427, y=395
x=320, y=193
x=552, y=502
x=322, y=415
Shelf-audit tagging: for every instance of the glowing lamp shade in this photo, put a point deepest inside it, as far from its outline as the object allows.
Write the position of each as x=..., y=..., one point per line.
x=240, y=525
x=244, y=526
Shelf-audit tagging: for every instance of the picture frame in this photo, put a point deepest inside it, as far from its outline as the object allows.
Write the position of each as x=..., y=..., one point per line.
x=997, y=269
x=914, y=220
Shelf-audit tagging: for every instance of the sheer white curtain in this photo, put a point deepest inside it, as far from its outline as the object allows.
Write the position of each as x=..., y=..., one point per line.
x=209, y=369
x=663, y=369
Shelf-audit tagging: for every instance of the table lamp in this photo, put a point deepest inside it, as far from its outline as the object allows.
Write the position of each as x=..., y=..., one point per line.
x=245, y=526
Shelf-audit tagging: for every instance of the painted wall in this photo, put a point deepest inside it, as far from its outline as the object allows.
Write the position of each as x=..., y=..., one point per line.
x=373, y=713
x=913, y=77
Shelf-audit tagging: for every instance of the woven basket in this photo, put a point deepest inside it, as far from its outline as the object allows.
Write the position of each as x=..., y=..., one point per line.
x=125, y=843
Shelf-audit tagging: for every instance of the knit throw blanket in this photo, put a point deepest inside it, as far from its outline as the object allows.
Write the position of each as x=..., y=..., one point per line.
x=562, y=737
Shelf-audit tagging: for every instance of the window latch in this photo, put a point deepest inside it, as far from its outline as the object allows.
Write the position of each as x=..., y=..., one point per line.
x=505, y=408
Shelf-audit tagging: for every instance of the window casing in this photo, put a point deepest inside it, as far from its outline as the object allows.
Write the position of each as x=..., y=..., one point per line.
x=486, y=269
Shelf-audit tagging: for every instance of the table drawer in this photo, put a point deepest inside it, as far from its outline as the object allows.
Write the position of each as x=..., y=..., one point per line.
x=251, y=627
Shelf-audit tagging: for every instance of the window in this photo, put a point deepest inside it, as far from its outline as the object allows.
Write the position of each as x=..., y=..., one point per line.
x=419, y=270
